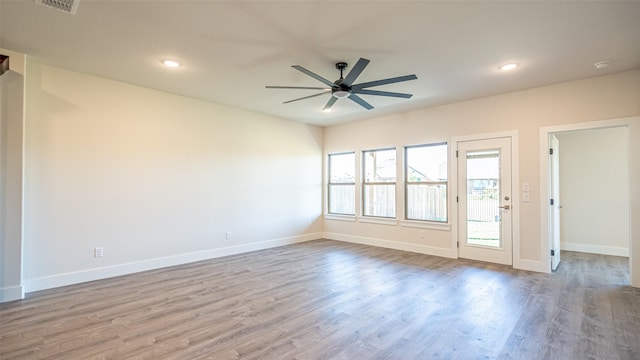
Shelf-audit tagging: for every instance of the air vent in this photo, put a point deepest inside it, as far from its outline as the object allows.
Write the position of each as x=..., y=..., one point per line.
x=68, y=6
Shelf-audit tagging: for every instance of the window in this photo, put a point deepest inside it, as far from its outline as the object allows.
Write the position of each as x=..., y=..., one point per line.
x=426, y=182
x=342, y=184
x=379, y=185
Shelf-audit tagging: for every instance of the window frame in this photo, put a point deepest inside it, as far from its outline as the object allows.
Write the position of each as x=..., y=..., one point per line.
x=408, y=183
x=330, y=184
x=365, y=183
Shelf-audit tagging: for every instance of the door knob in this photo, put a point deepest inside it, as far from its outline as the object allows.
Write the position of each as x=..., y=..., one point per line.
x=506, y=207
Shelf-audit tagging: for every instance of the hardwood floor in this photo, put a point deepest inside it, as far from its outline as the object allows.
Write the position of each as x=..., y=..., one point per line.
x=331, y=300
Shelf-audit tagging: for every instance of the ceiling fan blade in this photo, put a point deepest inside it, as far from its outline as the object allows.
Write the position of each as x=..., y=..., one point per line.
x=358, y=100
x=297, y=87
x=313, y=75
x=306, y=97
x=384, y=81
x=330, y=103
x=382, y=93
x=355, y=72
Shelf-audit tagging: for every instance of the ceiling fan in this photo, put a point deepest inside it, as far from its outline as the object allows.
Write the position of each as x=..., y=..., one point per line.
x=345, y=88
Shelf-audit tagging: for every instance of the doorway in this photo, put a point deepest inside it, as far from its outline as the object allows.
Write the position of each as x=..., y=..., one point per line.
x=592, y=215
x=485, y=201
x=598, y=211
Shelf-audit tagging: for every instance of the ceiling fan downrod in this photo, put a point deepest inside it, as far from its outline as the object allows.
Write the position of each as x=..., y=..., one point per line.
x=342, y=66
x=340, y=91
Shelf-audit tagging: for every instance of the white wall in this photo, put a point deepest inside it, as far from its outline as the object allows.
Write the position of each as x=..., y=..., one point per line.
x=594, y=191
x=605, y=97
x=11, y=142
x=156, y=179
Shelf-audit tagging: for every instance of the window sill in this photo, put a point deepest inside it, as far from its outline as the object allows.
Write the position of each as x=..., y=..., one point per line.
x=375, y=220
x=340, y=217
x=426, y=225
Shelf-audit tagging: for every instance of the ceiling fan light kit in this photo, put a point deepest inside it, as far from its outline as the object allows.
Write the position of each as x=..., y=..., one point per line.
x=341, y=94
x=344, y=87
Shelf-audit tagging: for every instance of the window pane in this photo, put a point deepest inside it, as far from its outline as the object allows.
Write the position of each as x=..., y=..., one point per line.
x=426, y=177
x=342, y=168
x=380, y=200
x=427, y=163
x=342, y=188
x=427, y=202
x=342, y=199
x=483, y=198
x=380, y=165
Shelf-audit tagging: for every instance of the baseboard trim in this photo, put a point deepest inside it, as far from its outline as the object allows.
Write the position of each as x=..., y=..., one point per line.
x=396, y=245
x=528, y=265
x=531, y=265
x=58, y=280
x=11, y=293
x=595, y=249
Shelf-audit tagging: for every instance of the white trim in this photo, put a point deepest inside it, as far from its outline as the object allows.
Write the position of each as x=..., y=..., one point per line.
x=57, y=280
x=337, y=217
x=11, y=293
x=518, y=262
x=532, y=265
x=591, y=125
x=452, y=190
x=595, y=249
x=545, y=238
x=377, y=220
x=396, y=245
x=426, y=225
x=493, y=135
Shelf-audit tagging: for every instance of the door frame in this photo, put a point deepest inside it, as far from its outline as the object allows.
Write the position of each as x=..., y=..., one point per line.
x=515, y=193
x=554, y=192
x=545, y=188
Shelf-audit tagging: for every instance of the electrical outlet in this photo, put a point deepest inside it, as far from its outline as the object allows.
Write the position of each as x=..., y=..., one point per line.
x=98, y=252
x=227, y=235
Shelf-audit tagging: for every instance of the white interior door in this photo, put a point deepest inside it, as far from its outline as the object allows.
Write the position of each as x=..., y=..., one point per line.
x=484, y=200
x=554, y=202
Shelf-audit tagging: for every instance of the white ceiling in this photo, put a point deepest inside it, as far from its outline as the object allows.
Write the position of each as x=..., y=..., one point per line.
x=232, y=49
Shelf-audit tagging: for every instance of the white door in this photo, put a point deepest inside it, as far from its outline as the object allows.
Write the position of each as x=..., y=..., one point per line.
x=484, y=200
x=554, y=202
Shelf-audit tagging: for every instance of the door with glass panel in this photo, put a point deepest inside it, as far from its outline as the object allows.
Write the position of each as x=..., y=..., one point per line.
x=484, y=200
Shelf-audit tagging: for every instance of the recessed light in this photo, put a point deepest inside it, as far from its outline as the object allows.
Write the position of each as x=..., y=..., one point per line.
x=602, y=64
x=507, y=67
x=327, y=110
x=171, y=63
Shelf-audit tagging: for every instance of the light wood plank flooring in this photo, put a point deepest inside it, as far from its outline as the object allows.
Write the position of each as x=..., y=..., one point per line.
x=331, y=300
